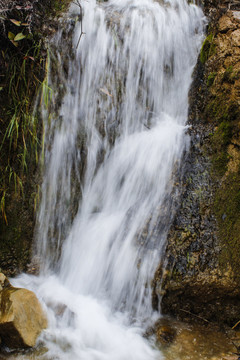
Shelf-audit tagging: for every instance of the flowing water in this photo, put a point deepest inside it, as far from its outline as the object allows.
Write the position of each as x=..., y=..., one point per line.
x=112, y=147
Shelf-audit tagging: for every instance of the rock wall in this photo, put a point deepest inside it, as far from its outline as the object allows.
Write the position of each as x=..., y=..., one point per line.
x=22, y=74
x=200, y=276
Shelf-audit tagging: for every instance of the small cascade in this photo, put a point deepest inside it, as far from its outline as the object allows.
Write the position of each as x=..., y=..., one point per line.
x=112, y=148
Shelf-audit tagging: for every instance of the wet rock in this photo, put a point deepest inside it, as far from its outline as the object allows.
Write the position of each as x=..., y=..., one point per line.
x=4, y=282
x=34, y=266
x=201, y=275
x=196, y=342
x=165, y=333
x=21, y=316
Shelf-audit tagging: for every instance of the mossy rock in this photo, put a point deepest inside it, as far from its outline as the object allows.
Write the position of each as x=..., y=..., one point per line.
x=211, y=78
x=208, y=48
x=227, y=210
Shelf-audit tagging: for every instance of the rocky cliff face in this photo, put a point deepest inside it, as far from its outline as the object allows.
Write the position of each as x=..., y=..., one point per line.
x=201, y=276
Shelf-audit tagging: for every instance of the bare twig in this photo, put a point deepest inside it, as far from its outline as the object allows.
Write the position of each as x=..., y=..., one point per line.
x=236, y=325
x=199, y=317
x=4, y=10
x=28, y=7
x=81, y=24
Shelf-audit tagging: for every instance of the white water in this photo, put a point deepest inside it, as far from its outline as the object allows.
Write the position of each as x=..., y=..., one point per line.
x=123, y=116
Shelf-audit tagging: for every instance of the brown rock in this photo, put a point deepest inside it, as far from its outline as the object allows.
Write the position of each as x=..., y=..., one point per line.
x=224, y=46
x=236, y=37
x=236, y=15
x=225, y=24
x=21, y=317
x=4, y=282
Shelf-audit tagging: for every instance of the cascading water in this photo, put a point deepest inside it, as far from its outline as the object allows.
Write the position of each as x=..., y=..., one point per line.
x=111, y=151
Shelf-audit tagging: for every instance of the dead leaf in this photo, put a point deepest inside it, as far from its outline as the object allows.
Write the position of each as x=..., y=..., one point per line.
x=104, y=91
x=15, y=22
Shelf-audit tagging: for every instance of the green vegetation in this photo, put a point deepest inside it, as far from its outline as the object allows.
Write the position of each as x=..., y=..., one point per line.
x=220, y=141
x=19, y=135
x=227, y=76
x=211, y=78
x=222, y=110
x=227, y=210
x=227, y=198
x=208, y=48
x=23, y=68
x=224, y=114
x=230, y=75
x=55, y=8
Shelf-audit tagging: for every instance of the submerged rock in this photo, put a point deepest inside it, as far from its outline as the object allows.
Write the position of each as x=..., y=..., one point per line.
x=195, y=342
x=165, y=333
x=21, y=316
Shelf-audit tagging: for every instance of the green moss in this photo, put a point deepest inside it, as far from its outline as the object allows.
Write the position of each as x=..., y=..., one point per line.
x=217, y=109
x=220, y=163
x=55, y=8
x=224, y=133
x=227, y=210
x=227, y=76
x=211, y=78
x=224, y=112
x=220, y=141
x=208, y=48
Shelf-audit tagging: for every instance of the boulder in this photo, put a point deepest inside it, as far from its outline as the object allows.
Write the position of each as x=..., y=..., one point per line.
x=21, y=316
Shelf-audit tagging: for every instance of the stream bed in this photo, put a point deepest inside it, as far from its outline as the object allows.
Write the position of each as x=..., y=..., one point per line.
x=190, y=342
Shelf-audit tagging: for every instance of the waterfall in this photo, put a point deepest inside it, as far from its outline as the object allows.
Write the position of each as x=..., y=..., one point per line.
x=112, y=148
